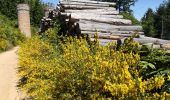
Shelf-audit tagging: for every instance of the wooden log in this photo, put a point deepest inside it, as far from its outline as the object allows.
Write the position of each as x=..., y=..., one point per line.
x=108, y=27
x=104, y=41
x=109, y=37
x=84, y=4
x=114, y=32
x=101, y=34
x=96, y=11
x=105, y=20
x=80, y=7
x=166, y=46
x=105, y=26
x=97, y=27
x=99, y=30
x=93, y=16
x=89, y=1
x=145, y=39
x=130, y=28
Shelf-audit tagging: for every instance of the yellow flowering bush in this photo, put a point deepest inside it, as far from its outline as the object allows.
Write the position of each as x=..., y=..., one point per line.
x=3, y=44
x=74, y=69
x=37, y=61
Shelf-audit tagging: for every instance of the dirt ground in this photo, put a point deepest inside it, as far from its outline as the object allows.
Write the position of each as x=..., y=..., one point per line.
x=8, y=77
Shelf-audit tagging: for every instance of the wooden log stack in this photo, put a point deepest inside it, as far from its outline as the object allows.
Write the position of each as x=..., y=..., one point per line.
x=87, y=17
x=90, y=16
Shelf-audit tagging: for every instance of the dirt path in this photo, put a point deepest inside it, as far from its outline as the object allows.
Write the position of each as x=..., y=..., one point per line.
x=8, y=79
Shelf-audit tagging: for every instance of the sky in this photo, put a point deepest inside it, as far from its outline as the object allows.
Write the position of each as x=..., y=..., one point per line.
x=139, y=9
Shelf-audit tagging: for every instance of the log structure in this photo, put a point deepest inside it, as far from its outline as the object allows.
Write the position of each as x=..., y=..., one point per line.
x=87, y=17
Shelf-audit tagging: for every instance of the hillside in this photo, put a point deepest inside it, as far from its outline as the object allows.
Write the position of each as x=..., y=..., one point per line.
x=9, y=33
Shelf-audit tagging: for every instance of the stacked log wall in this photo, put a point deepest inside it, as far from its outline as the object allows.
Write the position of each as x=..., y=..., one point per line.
x=86, y=17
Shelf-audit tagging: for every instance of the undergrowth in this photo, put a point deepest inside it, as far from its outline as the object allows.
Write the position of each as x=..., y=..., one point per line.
x=53, y=67
x=10, y=36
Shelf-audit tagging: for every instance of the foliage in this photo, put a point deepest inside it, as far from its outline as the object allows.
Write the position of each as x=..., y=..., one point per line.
x=162, y=22
x=9, y=9
x=130, y=46
x=158, y=57
x=70, y=68
x=123, y=5
x=51, y=36
x=160, y=60
x=148, y=23
x=130, y=17
x=9, y=35
x=3, y=45
x=157, y=23
x=38, y=65
x=34, y=30
x=36, y=11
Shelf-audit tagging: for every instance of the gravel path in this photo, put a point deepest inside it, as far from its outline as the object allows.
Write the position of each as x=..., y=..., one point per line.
x=8, y=79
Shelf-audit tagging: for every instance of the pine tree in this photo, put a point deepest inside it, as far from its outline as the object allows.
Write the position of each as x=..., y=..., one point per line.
x=148, y=23
x=158, y=24
x=123, y=5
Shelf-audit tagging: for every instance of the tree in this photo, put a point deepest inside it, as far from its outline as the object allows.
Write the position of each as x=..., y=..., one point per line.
x=36, y=11
x=158, y=24
x=162, y=20
x=158, y=20
x=9, y=9
x=123, y=5
x=131, y=17
x=166, y=19
x=148, y=23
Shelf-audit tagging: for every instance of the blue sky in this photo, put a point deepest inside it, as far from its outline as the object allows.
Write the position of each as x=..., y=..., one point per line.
x=139, y=9
x=142, y=5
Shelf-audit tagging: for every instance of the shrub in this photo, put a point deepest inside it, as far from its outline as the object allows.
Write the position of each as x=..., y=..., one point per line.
x=161, y=60
x=9, y=35
x=3, y=44
x=73, y=69
x=38, y=65
x=130, y=17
